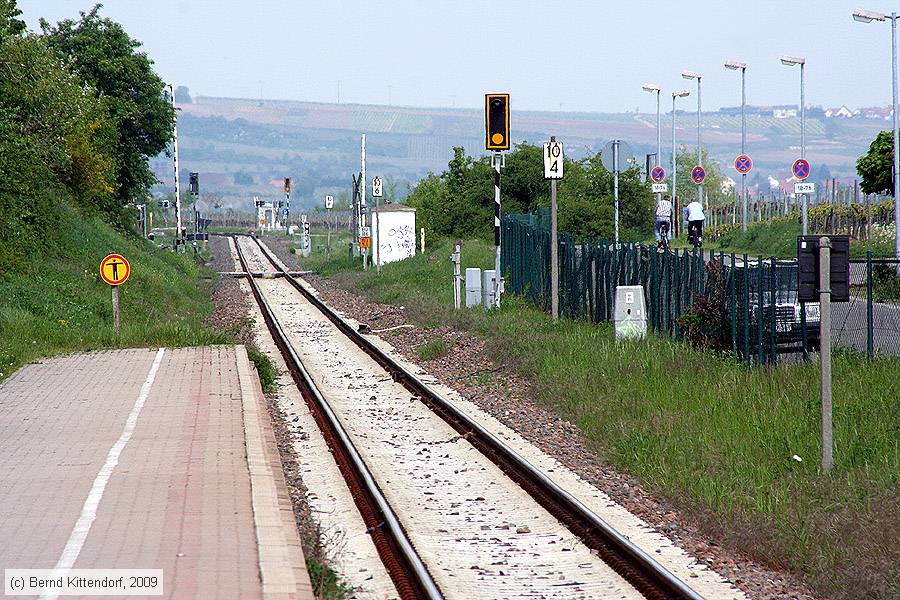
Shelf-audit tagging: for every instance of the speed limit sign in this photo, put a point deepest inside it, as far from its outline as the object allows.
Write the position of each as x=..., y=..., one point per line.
x=553, y=160
x=329, y=201
x=377, y=188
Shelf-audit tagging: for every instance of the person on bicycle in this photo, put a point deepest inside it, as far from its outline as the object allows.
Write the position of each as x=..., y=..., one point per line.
x=663, y=220
x=693, y=214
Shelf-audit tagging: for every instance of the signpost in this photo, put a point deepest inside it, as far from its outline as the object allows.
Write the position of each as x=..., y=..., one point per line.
x=698, y=174
x=329, y=204
x=377, y=192
x=801, y=170
x=115, y=270
x=365, y=237
x=553, y=170
x=823, y=274
x=657, y=174
x=614, y=155
x=743, y=164
x=659, y=188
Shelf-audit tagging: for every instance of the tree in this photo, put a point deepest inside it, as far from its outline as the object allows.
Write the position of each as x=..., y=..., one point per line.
x=876, y=167
x=105, y=57
x=686, y=160
x=10, y=26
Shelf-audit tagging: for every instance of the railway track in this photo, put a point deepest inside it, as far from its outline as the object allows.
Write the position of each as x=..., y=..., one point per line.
x=411, y=573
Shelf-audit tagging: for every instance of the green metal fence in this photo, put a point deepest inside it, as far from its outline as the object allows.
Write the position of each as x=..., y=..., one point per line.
x=745, y=305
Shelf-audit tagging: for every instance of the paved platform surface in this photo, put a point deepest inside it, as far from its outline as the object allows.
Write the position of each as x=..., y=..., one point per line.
x=139, y=458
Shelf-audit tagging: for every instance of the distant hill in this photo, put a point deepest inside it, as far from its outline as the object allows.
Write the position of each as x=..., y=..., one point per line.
x=244, y=147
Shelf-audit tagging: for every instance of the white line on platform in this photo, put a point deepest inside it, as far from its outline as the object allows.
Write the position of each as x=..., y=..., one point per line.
x=89, y=510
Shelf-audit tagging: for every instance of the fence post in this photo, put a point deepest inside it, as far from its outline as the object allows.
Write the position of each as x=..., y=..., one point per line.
x=746, y=310
x=773, y=282
x=870, y=337
x=760, y=326
x=733, y=299
x=676, y=289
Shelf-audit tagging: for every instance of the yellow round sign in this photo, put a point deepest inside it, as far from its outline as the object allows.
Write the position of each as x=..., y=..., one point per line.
x=114, y=269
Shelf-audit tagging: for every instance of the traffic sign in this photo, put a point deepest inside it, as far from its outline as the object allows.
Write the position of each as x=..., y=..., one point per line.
x=658, y=174
x=377, y=187
x=553, y=160
x=625, y=156
x=284, y=211
x=805, y=188
x=114, y=269
x=800, y=169
x=698, y=174
x=365, y=243
x=660, y=188
x=329, y=201
x=743, y=164
x=365, y=231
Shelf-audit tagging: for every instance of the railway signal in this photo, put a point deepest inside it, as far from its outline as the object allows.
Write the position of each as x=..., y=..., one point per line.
x=496, y=139
x=194, y=184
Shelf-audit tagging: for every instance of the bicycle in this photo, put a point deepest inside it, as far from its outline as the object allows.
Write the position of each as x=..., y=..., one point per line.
x=695, y=234
x=663, y=228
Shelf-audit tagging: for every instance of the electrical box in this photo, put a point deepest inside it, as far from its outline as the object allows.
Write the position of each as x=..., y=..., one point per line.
x=808, y=268
x=489, y=288
x=630, y=313
x=473, y=287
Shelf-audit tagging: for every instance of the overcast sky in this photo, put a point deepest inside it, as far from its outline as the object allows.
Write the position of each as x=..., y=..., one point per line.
x=574, y=55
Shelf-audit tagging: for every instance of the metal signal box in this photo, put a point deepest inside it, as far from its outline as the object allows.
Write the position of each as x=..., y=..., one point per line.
x=496, y=121
x=808, y=285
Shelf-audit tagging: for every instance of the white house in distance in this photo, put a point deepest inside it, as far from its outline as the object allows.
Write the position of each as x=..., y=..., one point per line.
x=393, y=233
x=842, y=112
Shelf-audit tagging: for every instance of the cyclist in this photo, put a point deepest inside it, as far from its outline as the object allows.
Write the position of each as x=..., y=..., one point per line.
x=693, y=214
x=663, y=219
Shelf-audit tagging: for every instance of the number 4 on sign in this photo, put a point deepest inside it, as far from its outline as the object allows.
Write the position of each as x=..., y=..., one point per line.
x=553, y=160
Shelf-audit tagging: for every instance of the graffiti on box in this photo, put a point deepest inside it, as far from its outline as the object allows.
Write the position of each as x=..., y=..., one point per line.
x=399, y=243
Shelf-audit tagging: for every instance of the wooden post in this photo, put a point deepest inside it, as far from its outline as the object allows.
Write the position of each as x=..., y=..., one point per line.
x=115, y=306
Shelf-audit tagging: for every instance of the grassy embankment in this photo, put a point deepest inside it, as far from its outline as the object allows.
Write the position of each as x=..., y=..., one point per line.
x=780, y=240
x=714, y=437
x=57, y=302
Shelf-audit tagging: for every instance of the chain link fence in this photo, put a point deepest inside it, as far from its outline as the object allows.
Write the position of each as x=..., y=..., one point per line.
x=744, y=305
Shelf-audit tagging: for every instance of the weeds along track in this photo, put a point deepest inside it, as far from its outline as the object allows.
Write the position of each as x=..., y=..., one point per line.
x=454, y=512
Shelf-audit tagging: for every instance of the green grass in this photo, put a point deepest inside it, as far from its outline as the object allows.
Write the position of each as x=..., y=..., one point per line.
x=779, y=239
x=700, y=429
x=265, y=369
x=59, y=304
x=432, y=349
x=326, y=583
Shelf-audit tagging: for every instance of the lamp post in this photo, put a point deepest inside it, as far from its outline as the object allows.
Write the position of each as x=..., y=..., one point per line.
x=734, y=66
x=652, y=87
x=698, y=77
x=681, y=94
x=790, y=61
x=867, y=16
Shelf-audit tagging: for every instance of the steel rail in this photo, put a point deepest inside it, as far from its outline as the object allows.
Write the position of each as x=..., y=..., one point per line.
x=409, y=573
x=637, y=567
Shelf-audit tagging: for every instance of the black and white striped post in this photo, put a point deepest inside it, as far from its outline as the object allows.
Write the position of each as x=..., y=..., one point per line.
x=497, y=161
x=178, y=232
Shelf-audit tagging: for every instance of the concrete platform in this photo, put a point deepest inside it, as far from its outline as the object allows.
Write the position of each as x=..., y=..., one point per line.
x=151, y=459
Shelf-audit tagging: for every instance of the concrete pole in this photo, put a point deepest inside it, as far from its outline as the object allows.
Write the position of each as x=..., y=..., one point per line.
x=177, y=180
x=896, y=140
x=803, y=140
x=743, y=147
x=699, y=144
x=362, y=197
x=825, y=349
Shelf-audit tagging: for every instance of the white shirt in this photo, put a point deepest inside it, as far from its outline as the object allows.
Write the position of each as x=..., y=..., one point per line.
x=664, y=209
x=694, y=211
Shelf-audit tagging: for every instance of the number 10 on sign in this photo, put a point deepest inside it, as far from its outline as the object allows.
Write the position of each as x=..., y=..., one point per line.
x=553, y=160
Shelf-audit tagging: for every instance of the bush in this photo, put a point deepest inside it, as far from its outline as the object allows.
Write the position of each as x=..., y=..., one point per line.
x=705, y=324
x=885, y=283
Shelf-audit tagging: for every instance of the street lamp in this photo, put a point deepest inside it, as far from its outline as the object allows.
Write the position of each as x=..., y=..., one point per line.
x=867, y=16
x=790, y=61
x=698, y=77
x=742, y=67
x=652, y=87
x=680, y=94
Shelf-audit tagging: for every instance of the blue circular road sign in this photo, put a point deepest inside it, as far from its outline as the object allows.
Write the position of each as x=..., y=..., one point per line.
x=800, y=169
x=698, y=175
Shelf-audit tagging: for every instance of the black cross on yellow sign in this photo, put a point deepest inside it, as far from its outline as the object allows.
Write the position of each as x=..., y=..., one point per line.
x=114, y=269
